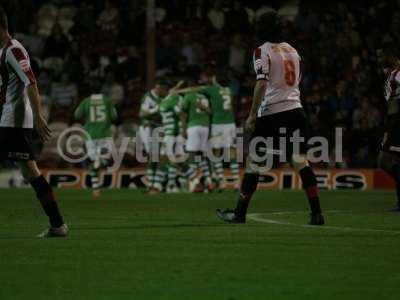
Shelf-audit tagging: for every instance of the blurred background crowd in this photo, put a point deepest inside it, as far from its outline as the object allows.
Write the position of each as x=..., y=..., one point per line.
x=75, y=43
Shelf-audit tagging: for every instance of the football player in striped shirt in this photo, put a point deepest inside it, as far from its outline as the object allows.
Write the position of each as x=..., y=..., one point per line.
x=20, y=114
x=150, y=119
x=389, y=157
x=172, y=148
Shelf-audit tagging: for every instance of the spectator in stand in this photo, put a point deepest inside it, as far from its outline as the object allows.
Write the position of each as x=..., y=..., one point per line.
x=364, y=145
x=341, y=104
x=366, y=114
x=202, y=31
x=64, y=94
x=130, y=64
x=108, y=20
x=237, y=19
x=167, y=53
x=57, y=44
x=83, y=20
x=264, y=9
x=32, y=41
x=194, y=9
x=237, y=54
x=217, y=16
x=190, y=50
x=92, y=68
x=44, y=81
x=306, y=20
x=113, y=89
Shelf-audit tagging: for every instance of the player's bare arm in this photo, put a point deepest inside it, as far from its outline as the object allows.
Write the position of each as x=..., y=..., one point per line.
x=258, y=95
x=173, y=90
x=148, y=112
x=192, y=89
x=40, y=122
x=204, y=108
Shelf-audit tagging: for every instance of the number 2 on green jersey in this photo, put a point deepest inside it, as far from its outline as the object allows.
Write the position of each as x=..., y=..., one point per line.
x=227, y=100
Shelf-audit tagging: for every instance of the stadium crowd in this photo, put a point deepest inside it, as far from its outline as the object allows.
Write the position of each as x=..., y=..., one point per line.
x=75, y=43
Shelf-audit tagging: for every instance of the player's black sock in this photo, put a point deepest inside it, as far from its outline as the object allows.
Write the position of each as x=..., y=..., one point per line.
x=249, y=186
x=45, y=195
x=310, y=186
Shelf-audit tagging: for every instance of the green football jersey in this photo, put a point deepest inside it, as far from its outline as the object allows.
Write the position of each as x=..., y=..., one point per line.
x=221, y=104
x=98, y=113
x=170, y=110
x=149, y=110
x=196, y=116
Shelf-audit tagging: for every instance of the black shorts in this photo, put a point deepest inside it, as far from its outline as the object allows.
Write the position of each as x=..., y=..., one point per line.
x=278, y=129
x=16, y=144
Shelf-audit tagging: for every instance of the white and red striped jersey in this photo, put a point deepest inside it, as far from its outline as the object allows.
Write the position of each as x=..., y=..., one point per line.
x=279, y=64
x=15, y=75
x=392, y=85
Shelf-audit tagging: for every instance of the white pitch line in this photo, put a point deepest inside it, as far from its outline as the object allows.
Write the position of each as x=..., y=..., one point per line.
x=259, y=218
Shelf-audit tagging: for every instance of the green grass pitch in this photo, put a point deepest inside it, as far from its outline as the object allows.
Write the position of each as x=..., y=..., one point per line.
x=127, y=245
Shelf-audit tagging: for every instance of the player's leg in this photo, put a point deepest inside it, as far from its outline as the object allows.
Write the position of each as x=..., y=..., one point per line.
x=45, y=195
x=217, y=163
x=159, y=176
x=230, y=143
x=169, y=144
x=250, y=179
x=94, y=171
x=234, y=166
x=218, y=168
x=298, y=123
x=190, y=171
x=172, y=186
x=150, y=174
x=205, y=169
x=145, y=138
x=309, y=181
x=390, y=162
x=16, y=144
x=204, y=161
x=247, y=189
x=189, y=167
x=158, y=165
x=181, y=163
x=193, y=148
x=94, y=165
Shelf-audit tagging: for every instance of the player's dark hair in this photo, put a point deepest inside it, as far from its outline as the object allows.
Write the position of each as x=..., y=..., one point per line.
x=162, y=81
x=95, y=85
x=268, y=28
x=223, y=79
x=3, y=19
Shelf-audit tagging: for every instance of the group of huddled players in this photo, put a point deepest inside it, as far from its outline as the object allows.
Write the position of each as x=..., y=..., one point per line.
x=180, y=128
